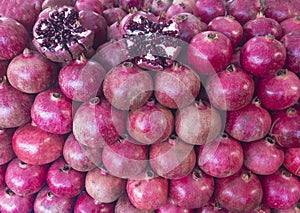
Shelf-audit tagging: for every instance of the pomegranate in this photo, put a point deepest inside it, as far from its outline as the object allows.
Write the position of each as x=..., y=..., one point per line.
x=293, y=209
x=290, y=25
x=89, y=5
x=249, y=123
x=221, y=158
x=291, y=43
x=85, y=203
x=81, y=79
x=113, y=15
x=113, y=34
x=263, y=157
x=127, y=87
x=231, y=89
x=209, y=52
x=6, y=151
x=2, y=175
x=30, y=72
x=152, y=123
x=158, y=7
x=149, y=193
x=176, y=8
x=198, y=123
x=229, y=27
x=59, y=35
x=193, y=190
x=25, y=179
x=281, y=189
x=96, y=123
x=35, y=146
x=57, y=3
x=278, y=9
x=270, y=52
x=171, y=207
x=209, y=9
x=241, y=192
x=292, y=160
x=104, y=187
x=46, y=201
x=211, y=207
x=128, y=5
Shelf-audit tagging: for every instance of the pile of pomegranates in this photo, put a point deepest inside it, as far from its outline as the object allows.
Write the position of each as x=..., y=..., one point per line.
x=163, y=106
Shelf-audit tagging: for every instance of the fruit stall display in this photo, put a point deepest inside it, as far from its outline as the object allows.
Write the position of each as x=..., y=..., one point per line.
x=162, y=106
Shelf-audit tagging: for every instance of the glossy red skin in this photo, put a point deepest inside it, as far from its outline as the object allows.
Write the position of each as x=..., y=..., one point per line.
x=292, y=160
x=176, y=8
x=210, y=55
x=263, y=157
x=89, y=5
x=35, y=146
x=285, y=127
x=172, y=159
x=157, y=7
x=231, y=89
x=241, y=192
x=25, y=179
x=236, y=57
x=31, y=72
x=152, y=123
x=85, y=203
x=124, y=205
x=198, y=123
x=12, y=203
x=170, y=207
x=221, y=158
x=127, y=87
x=81, y=80
x=45, y=201
x=280, y=91
x=148, y=194
x=2, y=175
x=96, y=23
x=57, y=3
x=193, y=190
x=63, y=181
x=6, y=151
x=290, y=25
x=261, y=26
x=293, y=209
x=291, y=43
x=13, y=113
x=125, y=159
x=113, y=15
x=209, y=9
x=241, y=127
x=242, y=10
x=76, y=156
x=281, y=189
x=97, y=131
x=278, y=9
x=129, y=4
x=229, y=27
x=262, y=56
x=24, y=12
x=52, y=114
x=176, y=87
x=104, y=187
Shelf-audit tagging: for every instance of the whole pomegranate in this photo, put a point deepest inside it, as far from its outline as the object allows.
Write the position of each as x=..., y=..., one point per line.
x=291, y=43
x=6, y=151
x=292, y=160
x=209, y=9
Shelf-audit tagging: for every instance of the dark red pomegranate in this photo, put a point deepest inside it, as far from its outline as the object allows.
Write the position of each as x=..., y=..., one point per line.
x=128, y=5
x=6, y=151
x=241, y=192
x=285, y=127
x=30, y=72
x=292, y=45
x=127, y=87
x=81, y=79
x=10, y=202
x=2, y=175
x=96, y=123
x=278, y=9
x=172, y=159
x=59, y=36
x=46, y=201
x=229, y=27
x=210, y=52
x=171, y=207
x=263, y=55
x=104, y=187
x=89, y=5
x=290, y=25
x=113, y=34
x=211, y=207
x=149, y=193
x=35, y=146
x=281, y=189
x=112, y=15
x=179, y=7
x=293, y=209
x=249, y=123
x=25, y=179
x=193, y=190
x=198, y=123
x=85, y=203
x=209, y=9
x=63, y=181
x=124, y=205
x=124, y=158
x=57, y=3
x=292, y=160
x=231, y=89
x=279, y=91
x=157, y=7
x=263, y=157
x=152, y=123
x=222, y=157
x=109, y=3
